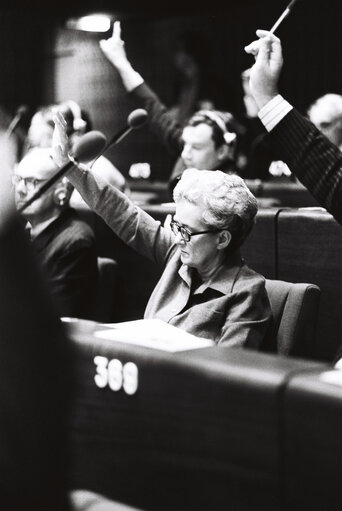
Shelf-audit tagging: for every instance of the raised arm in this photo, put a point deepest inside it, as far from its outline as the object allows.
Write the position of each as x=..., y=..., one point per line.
x=114, y=50
x=161, y=122
x=133, y=225
x=309, y=154
x=264, y=74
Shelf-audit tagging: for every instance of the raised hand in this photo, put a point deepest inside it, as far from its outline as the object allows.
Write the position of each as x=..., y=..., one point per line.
x=264, y=74
x=60, y=141
x=114, y=47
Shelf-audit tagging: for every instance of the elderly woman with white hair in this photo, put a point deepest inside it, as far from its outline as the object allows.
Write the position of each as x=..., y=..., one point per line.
x=206, y=288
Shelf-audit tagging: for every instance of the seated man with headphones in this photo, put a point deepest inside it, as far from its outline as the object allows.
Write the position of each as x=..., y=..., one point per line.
x=207, y=141
x=64, y=245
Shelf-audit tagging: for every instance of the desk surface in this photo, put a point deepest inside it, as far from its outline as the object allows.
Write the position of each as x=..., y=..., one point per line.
x=200, y=426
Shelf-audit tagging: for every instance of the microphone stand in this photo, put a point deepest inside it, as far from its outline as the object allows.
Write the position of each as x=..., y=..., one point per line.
x=113, y=140
x=135, y=120
x=73, y=161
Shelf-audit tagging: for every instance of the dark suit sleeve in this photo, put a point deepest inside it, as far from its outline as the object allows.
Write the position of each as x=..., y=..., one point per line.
x=312, y=158
x=160, y=122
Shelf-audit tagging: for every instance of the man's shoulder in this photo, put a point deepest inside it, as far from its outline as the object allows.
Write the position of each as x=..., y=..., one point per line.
x=71, y=230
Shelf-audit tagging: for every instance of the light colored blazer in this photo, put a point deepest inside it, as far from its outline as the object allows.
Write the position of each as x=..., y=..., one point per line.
x=233, y=309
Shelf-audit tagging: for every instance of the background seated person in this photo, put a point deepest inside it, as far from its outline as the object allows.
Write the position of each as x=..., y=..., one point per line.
x=206, y=288
x=206, y=141
x=40, y=130
x=71, y=112
x=326, y=114
x=64, y=245
x=78, y=121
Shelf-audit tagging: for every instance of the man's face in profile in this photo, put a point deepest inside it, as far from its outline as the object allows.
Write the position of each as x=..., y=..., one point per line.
x=329, y=122
x=30, y=174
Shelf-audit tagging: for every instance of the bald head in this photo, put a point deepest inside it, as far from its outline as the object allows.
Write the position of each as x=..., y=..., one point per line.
x=326, y=114
x=35, y=169
x=37, y=163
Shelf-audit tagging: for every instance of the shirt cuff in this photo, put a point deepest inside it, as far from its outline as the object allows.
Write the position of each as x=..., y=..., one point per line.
x=274, y=111
x=131, y=79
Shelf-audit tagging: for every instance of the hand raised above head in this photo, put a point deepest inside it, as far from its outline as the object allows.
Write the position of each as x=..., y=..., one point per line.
x=114, y=47
x=264, y=74
x=60, y=141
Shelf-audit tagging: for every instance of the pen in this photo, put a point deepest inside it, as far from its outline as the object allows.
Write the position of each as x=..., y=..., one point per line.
x=282, y=16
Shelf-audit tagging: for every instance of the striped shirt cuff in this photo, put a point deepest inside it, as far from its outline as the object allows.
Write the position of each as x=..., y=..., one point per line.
x=274, y=111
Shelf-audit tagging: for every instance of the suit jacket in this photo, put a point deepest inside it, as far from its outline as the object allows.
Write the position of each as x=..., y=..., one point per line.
x=312, y=158
x=66, y=252
x=232, y=309
x=161, y=123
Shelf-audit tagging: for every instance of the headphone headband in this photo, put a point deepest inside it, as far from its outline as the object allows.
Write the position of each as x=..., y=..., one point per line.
x=228, y=136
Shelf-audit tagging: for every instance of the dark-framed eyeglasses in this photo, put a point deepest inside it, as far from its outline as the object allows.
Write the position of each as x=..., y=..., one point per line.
x=185, y=233
x=31, y=183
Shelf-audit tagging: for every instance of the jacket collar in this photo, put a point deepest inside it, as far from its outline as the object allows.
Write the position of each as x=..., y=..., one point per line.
x=223, y=280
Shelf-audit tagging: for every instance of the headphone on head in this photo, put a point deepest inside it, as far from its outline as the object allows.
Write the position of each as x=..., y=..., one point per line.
x=228, y=136
x=62, y=192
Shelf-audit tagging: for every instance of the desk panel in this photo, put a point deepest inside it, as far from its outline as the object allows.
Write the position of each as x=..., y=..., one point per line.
x=310, y=250
x=201, y=429
x=312, y=449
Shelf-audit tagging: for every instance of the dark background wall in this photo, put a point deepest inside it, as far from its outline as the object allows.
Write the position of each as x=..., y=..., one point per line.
x=42, y=62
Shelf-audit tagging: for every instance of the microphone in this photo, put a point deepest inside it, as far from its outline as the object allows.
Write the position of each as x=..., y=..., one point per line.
x=84, y=150
x=21, y=111
x=134, y=121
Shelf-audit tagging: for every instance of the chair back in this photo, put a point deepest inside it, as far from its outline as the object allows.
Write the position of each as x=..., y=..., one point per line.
x=110, y=292
x=295, y=310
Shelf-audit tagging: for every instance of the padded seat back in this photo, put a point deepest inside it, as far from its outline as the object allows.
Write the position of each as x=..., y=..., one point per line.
x=309, y=246
x=295, y=309
x=110, y=291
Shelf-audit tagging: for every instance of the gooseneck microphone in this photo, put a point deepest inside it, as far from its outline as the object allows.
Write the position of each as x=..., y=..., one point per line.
x=88, y=149
x=134, y=121
x=84, y=150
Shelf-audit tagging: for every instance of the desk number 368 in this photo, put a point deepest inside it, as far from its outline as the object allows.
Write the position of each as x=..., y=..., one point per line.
x=116, y=375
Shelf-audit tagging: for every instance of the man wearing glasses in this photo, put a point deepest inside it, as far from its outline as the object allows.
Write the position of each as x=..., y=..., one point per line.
x=64, y=245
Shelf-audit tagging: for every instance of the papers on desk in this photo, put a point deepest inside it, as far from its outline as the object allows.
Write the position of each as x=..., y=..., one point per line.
x=338, y=364
x=334, y=376
x=152, y=333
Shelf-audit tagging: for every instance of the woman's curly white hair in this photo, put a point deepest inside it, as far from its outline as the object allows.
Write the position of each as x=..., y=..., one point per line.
x=228, y=202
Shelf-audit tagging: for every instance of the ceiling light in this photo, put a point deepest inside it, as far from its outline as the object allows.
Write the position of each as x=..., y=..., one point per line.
x=91, y=23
